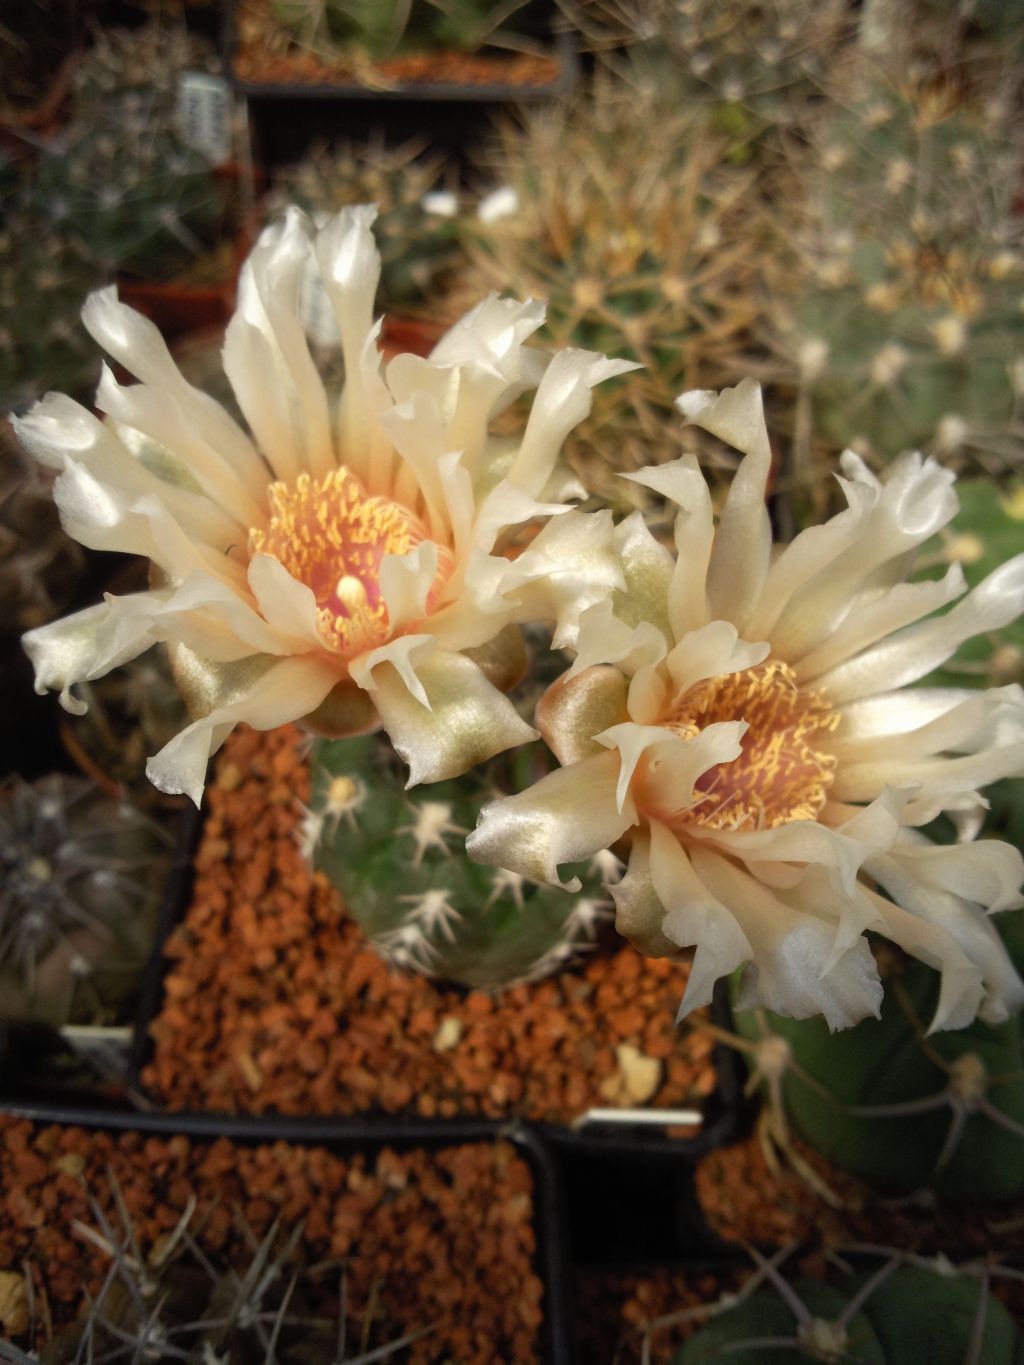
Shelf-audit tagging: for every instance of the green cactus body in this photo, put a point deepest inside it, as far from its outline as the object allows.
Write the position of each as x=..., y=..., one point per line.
x=904, y=1111
x=417, y=247
x=907, y=1317
x=80, y=877
x=398, y=860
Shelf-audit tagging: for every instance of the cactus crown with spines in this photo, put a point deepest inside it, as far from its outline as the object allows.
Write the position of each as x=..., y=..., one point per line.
x=398, y=860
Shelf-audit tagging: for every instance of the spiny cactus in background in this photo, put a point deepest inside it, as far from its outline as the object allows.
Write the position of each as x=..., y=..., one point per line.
x=181, y=1302
x=759, y=64
x=630, y=227
x=132, y=713
x=905, y=1311
x=143, y=63
x=80, y=877
x=39, y=564
x=129, y=193
x=44, y=279
x=899, y=1109
x=415, y=234
x=902, y=311
x=398, y=859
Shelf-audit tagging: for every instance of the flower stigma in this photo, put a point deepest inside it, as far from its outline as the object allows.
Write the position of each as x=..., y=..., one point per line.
x=330, y=534
x=784, y=770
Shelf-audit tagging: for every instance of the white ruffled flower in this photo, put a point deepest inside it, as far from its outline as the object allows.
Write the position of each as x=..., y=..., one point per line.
x=742, y=716
x=336, y=563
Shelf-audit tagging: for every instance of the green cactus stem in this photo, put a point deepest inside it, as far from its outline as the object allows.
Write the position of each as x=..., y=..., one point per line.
x=398, y=860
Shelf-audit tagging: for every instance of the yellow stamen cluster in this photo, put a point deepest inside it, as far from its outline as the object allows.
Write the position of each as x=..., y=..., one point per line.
x=332, y=535
x=783, y=772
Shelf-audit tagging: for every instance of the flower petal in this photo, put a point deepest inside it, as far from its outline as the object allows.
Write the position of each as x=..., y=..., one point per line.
x=267, y=359
x=899, y=873
x=694, y=918
x=568, y=815
x=713, y=651
x=136, y=344
x=868, y=622
x=286, y=604
x=914, y=502
x=962, y=722
x=742, y=545
x=569, y=565
x=682, y=481
x=286, y=690
x=791, y=949
x=576, y=706
x=463, y=721
x=915, y=651
x=561, y=402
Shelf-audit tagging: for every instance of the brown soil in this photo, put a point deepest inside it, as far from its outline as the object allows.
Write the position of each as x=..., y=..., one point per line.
x=267, y=54
x=274, y=1000
x=745, y=1201
x=617, y=1315
x=441, y=1237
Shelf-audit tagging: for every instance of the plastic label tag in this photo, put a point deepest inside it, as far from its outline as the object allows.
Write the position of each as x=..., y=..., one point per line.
x=203, y=115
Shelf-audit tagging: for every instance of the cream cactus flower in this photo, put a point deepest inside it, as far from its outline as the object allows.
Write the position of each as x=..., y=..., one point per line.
x=337, y=563
x=740, y=714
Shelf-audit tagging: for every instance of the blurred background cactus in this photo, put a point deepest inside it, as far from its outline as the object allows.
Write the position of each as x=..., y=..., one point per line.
x=44, y=279
x=899, y=303
x=756, y=67
x=624, y=218
x=120, y=183
x=141, y=65
x=80, y=878
x=398, y=860
x=129, y=194
x=415, y=229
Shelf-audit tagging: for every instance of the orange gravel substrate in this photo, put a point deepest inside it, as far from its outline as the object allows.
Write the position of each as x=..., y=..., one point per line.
x=745, y=1201
x=274, y=1001
x=441, y=1236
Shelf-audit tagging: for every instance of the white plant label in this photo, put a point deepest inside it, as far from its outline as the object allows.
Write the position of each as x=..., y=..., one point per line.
x=203, y=115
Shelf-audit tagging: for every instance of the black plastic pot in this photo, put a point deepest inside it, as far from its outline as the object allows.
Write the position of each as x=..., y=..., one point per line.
x=350, y=1136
